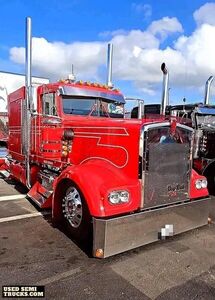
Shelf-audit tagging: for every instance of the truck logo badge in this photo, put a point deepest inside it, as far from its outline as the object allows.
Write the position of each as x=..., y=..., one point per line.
x=176, y=187
x=172, y=190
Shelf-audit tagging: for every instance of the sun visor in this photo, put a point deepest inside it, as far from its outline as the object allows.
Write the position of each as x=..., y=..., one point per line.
x=80, y=92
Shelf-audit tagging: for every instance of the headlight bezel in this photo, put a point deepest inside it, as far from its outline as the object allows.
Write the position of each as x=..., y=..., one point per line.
x=201, y=184
x=121, y=197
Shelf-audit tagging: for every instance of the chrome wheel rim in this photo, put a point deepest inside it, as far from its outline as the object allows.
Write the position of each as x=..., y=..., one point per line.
x=72, y=207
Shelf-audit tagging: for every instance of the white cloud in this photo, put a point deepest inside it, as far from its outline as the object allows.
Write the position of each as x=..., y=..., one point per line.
x=198, y=51
x=137, y=56
x=56, y=58
x=205, y=14
x=144, y=9
x=165, y=26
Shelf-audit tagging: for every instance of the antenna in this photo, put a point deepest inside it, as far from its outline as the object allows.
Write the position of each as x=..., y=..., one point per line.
x=72, y=76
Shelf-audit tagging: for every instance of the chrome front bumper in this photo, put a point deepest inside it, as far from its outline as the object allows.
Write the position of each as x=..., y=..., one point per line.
x=116, y=235
x=212, y=209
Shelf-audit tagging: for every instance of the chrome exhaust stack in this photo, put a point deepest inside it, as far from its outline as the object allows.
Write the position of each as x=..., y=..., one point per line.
x=165, y=93
x=28, y=99
x=109, y=65
x=207, y=90
x=140, y=109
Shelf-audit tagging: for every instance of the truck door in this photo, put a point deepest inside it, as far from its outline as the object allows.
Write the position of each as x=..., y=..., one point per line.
x=51, y=129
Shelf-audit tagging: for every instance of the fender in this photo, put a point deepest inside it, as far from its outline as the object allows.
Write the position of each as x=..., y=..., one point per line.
x=204, y=167
x=209, y=173
x=194, y=192
x=96, y=179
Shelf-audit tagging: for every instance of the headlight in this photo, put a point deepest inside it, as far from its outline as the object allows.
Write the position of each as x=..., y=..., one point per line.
x=201, y=184
x=204, y=183
x=117, y=197
x=198, y=184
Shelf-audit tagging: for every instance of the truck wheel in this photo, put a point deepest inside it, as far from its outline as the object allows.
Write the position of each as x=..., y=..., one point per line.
x=211, y=184
x=76, y=215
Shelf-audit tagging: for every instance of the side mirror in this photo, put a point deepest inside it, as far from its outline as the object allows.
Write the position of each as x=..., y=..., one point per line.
x=54, y=110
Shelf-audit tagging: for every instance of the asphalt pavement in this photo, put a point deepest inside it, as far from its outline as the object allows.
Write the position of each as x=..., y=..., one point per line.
x=33, y=252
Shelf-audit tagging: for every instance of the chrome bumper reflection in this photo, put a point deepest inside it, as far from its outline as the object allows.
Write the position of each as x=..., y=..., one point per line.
x=116, y=235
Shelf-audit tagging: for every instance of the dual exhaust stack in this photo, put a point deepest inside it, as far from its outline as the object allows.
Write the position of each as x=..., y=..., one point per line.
x=207, y=90
x=28, y=83
x=28, y=100
x=165, y=93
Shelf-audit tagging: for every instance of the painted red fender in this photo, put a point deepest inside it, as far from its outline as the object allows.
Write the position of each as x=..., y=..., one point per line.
x=194, y=192
x=96, y=179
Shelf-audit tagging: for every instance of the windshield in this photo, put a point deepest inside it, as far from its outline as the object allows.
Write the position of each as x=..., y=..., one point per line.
x=92, y=106
x=205, y=120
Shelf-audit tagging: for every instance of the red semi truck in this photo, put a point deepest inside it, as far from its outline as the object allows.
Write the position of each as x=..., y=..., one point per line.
x=128, y=182
x=3, y=129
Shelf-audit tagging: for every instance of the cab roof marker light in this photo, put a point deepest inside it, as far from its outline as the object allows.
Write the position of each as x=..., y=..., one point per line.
x=79, y=82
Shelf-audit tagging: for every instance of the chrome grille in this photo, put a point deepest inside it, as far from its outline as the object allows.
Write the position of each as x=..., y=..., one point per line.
x=166, y=168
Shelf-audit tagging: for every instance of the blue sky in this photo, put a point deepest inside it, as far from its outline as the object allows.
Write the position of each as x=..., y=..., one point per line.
x=86, y=26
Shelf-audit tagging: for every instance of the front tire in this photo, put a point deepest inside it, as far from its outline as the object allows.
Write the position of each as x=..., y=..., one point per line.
x=76, y=216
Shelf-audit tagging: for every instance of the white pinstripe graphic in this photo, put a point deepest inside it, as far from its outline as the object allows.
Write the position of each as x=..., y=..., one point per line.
x=97, y=135
x=92, y=135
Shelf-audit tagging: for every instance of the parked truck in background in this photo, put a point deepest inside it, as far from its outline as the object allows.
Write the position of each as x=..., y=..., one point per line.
x=9, y=82
x=3, y=129
x=201, y=117
x=115, y=182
